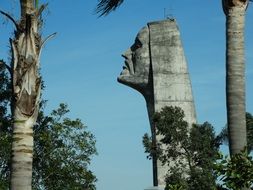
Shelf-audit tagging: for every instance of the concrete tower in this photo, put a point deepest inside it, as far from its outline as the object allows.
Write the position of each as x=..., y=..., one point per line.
x=155, y=65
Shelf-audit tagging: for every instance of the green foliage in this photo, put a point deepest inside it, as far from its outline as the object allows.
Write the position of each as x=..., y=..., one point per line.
x=236, y=172
x=63, y=148
x=171, y=124
x=5, y=155
x=176, y=179
x=5, y=127
x=174, y=187
x=62, y=153
x=193, y=150
x=147, y=143
x=249, y=124
x=150, y=148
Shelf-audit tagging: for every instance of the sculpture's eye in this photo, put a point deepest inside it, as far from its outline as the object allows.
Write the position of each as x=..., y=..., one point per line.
x=138, y=46
x=138, y=43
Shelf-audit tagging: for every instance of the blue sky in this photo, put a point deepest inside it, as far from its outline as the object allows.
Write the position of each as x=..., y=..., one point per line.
x=81, y=64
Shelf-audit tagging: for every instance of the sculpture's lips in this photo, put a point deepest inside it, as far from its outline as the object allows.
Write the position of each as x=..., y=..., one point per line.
x=125, y=72
x=128, y=66
x=126, y=69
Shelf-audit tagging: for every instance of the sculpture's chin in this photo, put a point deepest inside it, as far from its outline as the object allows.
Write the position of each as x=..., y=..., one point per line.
x=124, y=79
x=133, y=82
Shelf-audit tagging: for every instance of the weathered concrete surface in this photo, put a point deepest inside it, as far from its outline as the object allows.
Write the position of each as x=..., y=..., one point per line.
x=155, y=65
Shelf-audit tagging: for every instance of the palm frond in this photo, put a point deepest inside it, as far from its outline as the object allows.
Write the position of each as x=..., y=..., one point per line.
x=104, y=7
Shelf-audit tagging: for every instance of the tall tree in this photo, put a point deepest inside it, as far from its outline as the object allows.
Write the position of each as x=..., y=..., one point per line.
x=235, y=73
x=193, y=151
x=26, y=47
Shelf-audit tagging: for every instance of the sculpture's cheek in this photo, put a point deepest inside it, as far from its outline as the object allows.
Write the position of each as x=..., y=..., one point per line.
x=142, y=66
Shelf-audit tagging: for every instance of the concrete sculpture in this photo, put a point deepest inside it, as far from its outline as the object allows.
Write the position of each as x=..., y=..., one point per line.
x=155, y=66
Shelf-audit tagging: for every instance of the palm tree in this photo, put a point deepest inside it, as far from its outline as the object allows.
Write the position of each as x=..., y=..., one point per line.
x=26, y=47
x=104, y=7
x=235, y=73
x=26, y=84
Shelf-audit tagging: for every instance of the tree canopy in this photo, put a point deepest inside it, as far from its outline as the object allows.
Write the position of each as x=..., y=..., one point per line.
x=63, y=147
x=194, y=150
x=5, y=127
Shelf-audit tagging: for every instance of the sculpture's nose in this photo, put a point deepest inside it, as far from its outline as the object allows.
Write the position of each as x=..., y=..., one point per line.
x=127, y=54
x=124, y=56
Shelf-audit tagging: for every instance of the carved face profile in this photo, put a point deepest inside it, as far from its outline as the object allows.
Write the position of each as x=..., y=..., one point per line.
x=137, y=62
x=155, y=66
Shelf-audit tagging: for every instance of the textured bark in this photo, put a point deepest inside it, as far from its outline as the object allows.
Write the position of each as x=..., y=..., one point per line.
x=26, y=47
x=235, y=73
x=27, y=6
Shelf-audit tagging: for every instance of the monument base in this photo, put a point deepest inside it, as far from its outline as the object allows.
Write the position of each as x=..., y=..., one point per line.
x=154, y=188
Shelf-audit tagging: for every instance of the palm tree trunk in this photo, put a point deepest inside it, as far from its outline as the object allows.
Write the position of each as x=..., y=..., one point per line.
x=235, y=73
x=26, y=84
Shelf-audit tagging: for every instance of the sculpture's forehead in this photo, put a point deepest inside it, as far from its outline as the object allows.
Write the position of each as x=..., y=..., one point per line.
x=143, y=35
